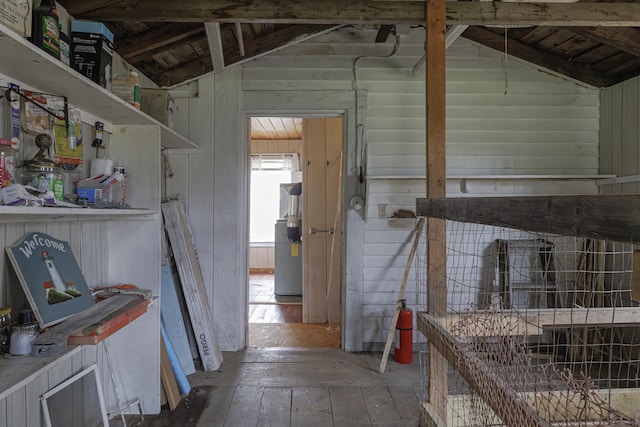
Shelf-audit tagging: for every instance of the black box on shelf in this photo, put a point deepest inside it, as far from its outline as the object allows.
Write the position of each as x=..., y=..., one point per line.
x=92, y=50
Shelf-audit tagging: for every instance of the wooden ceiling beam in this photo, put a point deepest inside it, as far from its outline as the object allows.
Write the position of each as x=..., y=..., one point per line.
x=78, y=7
x=338, y=12
x=156, y=39
x=272, y=41
x=214, y=38
x=184, y=72
x=194, y=38
x=624, y=39
x=537, y=56
x=255, y=47
x=240, y=38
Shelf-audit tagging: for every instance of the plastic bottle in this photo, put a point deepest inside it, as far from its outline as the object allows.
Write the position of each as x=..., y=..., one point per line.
x=119, y=191
x=127, y=88
x=46, y=30
x=134, y=80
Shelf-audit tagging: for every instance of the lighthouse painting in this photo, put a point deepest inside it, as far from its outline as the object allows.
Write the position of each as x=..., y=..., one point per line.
x=50, y=277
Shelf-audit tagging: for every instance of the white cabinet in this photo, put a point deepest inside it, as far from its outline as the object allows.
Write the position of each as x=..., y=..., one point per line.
x=112, y=246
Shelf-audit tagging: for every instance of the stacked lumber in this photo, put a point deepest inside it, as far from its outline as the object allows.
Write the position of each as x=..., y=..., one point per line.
x=185, y=258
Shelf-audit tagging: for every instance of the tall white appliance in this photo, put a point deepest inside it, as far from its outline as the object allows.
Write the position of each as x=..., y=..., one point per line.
x=288, y=247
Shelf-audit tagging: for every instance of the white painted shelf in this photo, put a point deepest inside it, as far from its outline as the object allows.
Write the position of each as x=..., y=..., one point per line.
x=30, y=64
x=497, y=177
x=37, y=214
x=19, y=371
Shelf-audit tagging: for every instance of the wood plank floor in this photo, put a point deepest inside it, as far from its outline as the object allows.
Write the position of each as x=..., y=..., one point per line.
x=275, y=313
x=276, y=321
x=309, y=387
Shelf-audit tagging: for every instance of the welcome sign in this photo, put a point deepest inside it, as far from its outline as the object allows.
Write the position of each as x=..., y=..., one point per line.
x=50, y=277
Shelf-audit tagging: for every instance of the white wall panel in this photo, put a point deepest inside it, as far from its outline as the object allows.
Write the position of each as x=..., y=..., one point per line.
x=543, y=125
x=261, y=257
x=620, y=134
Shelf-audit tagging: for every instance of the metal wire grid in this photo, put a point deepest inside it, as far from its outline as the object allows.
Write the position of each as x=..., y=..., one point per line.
x=498, y=280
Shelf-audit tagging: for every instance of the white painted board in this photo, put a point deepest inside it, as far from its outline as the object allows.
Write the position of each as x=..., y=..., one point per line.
x=186, y=260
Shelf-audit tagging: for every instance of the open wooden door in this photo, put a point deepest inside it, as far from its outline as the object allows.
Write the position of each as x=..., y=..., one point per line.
x=322, y=220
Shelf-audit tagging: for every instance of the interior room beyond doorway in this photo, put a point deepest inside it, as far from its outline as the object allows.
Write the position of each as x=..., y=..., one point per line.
x=278, y=311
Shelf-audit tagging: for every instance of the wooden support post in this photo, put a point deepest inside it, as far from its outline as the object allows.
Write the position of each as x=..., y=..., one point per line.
x=214, y=38
x=435, y=49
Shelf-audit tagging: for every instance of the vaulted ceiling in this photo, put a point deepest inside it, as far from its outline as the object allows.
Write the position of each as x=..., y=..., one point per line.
x=594, y=42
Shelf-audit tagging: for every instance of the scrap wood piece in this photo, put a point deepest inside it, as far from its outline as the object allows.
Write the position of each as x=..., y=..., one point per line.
x=104, y=328
x=186, y=259
x=54, y=340
x=169, y=382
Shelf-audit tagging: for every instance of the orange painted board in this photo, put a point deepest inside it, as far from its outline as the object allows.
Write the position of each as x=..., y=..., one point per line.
x=99, y=331
x=115, y=318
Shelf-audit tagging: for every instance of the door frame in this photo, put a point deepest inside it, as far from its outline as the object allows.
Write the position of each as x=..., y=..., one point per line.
x=352, y=106
x=248, y=115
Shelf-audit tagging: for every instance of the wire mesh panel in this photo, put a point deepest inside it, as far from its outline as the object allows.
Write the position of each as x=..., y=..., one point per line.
x=540, y=329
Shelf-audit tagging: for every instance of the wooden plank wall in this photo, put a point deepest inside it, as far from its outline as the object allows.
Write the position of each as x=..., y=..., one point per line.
x=22, y=408
x=387, y=238
x=544, y=125
x=214, y=183
x=620, y=148
x=280, y=146
x=620, y=134
x=262, y=257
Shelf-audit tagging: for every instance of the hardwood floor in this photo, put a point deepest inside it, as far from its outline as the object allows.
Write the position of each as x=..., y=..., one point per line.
x=276, y=321
x=309, y=387
x=294, y=386
x=275, y=313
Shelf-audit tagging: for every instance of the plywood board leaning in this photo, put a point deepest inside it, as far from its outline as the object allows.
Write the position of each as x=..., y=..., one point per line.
x=186, y=261
x=168, y=379
x=174, y=322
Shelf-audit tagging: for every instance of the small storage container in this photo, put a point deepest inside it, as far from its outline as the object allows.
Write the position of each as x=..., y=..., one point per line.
x=92, y=51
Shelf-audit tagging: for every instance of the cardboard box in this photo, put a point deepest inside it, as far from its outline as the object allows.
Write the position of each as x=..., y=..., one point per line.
x=89, y=194
x=92, y=50
x=16, y=14
x=159, y=104
x=97, y=188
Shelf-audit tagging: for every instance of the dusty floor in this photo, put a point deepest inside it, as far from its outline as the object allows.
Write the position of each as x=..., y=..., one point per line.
x=298, y=387
x=293, y=374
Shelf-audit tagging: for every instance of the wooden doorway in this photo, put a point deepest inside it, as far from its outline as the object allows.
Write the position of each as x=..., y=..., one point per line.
x=322, y=220
x=319, y=146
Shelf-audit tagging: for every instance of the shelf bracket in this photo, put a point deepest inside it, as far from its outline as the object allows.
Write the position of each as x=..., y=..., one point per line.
x=65, y=110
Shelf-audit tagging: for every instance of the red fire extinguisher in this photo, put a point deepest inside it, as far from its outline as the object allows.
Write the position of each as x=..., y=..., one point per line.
x=404, y=335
